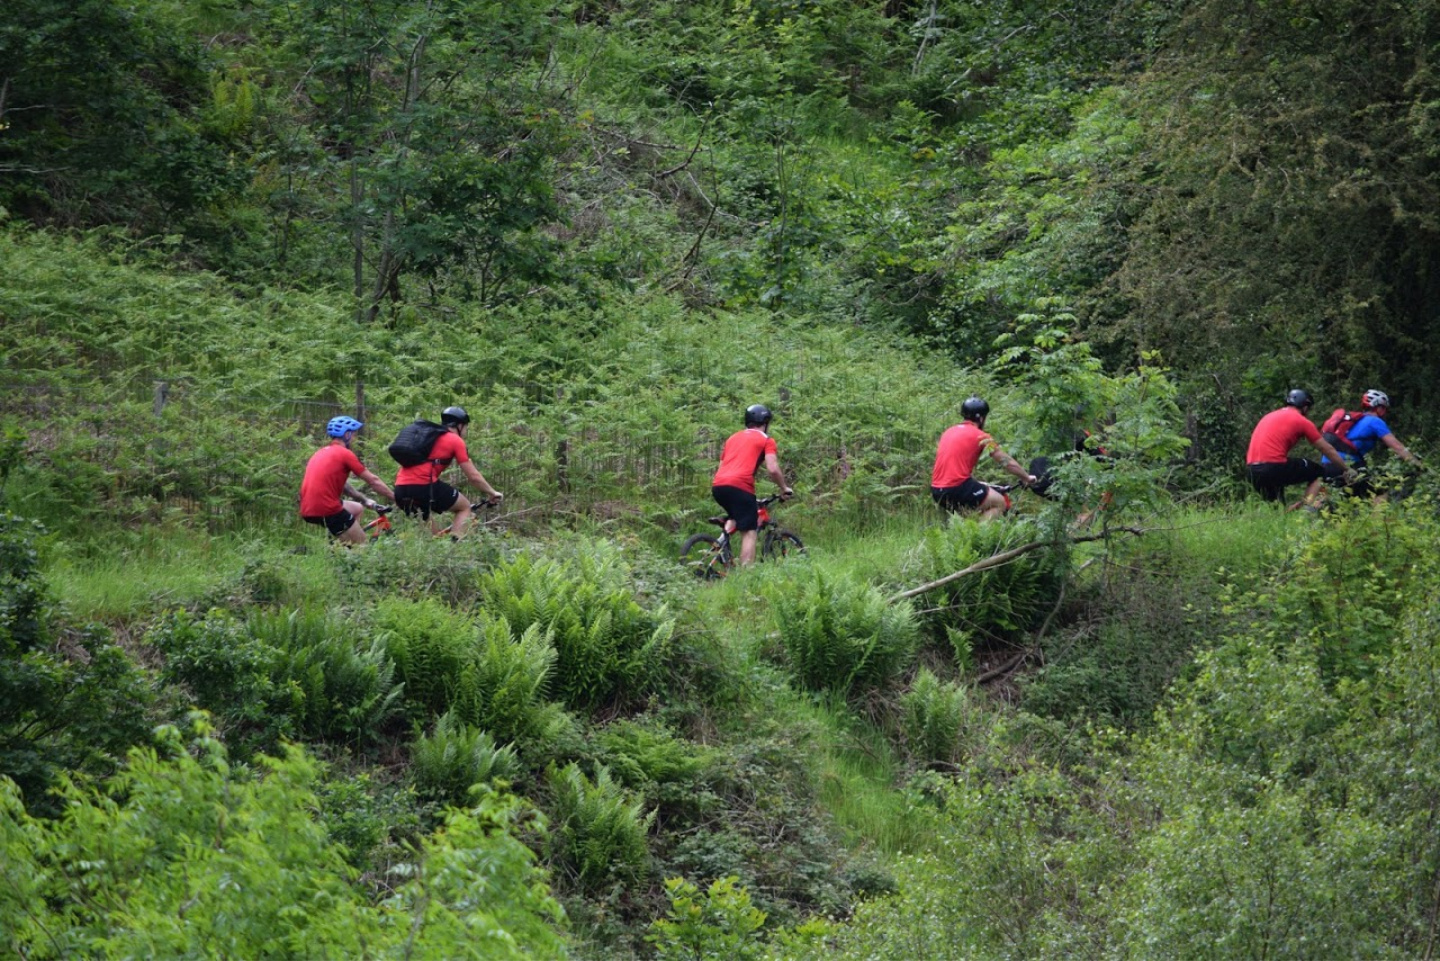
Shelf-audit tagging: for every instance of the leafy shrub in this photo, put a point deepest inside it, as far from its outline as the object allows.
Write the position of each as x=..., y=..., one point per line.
x=667, y=770
x=720, y=924
x=598, y=832
x=430, y=644
x=373, y=818
x=991, y=605
x=454, y=756
x=337, y=690
x=279, y=674
x=230, y=672
x=182, y=852
x=640, y=753
x=933, y=718
x=408, y=564
x=840, y=634
x=502, y=687
x=76, y=705
x=609, y=648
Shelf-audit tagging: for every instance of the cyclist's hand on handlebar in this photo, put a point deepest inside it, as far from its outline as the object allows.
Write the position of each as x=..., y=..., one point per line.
x=787, y=493
x=1031, y=480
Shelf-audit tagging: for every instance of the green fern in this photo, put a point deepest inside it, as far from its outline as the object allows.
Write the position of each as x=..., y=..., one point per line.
x=608, y=648
x=599, y=834
x=431, y=646
x=840, y=634
x=933, y=715
x=454, y=756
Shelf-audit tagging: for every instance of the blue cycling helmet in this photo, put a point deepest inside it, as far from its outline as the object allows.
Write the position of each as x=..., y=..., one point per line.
x=340, y=426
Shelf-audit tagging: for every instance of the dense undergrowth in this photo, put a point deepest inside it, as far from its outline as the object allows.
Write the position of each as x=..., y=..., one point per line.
x=1196, y=727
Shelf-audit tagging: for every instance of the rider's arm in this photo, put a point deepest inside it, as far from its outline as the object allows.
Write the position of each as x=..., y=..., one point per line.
x=478, y=479
x=1390, y=441
x=772, y=466
x=1011, y=465
x=375, y=484
x=1328, y=449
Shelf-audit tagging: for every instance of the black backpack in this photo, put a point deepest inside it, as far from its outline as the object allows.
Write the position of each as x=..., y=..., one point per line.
x=412, y=446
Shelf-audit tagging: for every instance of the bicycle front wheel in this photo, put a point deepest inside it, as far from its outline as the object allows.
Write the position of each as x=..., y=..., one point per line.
x=706, y=556
x=782, y=544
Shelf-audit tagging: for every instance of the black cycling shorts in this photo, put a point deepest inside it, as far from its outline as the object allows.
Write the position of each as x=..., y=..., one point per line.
x=336, y=524
x=742, y=506
x=968, y=495
x=423, y=498
x=1272, y=479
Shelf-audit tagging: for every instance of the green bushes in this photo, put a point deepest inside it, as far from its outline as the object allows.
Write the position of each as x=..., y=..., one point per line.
x=184, y=856
x=934, y=715
x=608, y=648
x=598, y=832
x=840, y=634
x=454, y=756
x=279, y=674
x=431, y=644
x=76, y=705
x=475, y=668
x=990, y=606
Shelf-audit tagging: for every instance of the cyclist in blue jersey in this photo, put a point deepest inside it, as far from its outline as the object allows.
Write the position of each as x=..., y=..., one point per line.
x=1368, y=433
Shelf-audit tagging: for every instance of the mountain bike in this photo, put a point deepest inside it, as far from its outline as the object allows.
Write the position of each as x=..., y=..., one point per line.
x=710, y=556
x=381, y=525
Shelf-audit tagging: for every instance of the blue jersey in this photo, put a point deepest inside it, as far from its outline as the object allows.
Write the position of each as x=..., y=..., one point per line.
x=1367, y=432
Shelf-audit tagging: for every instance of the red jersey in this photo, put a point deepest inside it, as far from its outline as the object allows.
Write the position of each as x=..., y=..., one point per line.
x=326, y=475
x=957, y=454
x=447, y=449
x=1277, y=432
x=741, y=458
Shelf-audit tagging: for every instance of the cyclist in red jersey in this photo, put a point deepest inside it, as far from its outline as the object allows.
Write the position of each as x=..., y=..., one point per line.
x=1268, y=463
x=733, y=486
x=419, y=489
x=327, y=478
x=951, y=485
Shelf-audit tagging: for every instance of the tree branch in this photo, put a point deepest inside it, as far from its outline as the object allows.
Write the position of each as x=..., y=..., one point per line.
x=995, y=560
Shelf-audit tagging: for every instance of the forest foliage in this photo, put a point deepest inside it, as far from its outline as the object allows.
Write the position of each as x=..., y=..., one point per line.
x=1194, y=728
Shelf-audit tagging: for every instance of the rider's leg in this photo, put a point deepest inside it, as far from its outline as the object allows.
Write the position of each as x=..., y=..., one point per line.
x=463, y=513
x=993, y=506
x=747, y=547
x=355, y=533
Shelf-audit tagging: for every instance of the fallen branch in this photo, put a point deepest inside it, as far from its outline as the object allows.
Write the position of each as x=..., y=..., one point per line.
x=995, y=560
x=1007, y=667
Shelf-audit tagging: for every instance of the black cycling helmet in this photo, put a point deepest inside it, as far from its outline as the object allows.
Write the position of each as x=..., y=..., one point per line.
x=454, y=415
x=757, y=415
x=1298, y=398
x=974, y=408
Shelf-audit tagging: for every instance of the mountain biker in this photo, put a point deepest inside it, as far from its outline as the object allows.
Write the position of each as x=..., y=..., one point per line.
x=951, y=485
x=733, y=486
x=1367, y=432
x=419, y=489
x=1268, y=463
x=327, y=477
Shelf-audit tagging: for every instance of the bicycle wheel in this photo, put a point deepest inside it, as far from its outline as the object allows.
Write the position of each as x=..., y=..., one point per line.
x=706, y=556
x=782, y=544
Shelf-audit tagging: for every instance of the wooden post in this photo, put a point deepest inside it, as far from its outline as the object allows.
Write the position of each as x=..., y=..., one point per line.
x=162, y=394
x=360, y=400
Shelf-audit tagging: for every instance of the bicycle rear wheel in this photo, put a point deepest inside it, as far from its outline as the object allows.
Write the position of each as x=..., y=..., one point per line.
x=706, y=556
x=782, y=544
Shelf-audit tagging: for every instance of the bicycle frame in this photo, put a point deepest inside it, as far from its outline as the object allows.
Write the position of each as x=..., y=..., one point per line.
x=716, y=557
